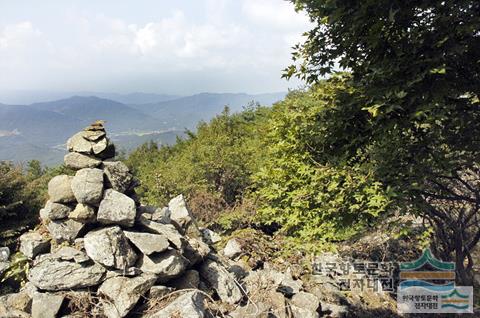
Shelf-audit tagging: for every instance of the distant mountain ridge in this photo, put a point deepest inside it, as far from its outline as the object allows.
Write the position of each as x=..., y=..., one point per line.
x=38, y=130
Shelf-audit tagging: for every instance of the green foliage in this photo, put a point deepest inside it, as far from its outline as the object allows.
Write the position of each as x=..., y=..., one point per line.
x=212, y=167
x=308, y=186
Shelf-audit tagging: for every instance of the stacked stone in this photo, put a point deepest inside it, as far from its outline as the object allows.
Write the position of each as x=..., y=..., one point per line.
x=101, y=241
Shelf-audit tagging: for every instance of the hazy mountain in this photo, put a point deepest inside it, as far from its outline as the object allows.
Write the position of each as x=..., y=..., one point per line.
x=40, y=130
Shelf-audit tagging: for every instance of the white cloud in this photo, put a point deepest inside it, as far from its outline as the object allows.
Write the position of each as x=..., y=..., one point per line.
x=275, y=13
x=18, y=35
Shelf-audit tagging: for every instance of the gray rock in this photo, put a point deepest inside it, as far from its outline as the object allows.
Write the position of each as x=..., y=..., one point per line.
x=60, y=190
x=76, y=161
x=100, y=145
x=127, y=272
x=93, y=135
x=289, y=286
x=222, y=281
x=160, y=215
x=67, y=253
x=56, y=211
x=77, y=143
x=189, y=305
x=333, y=310
x=123, y=293
x=87, y=186
x=167, y=230
x=110, y=247
x=52, y=274
x=210, y=237
x=65, y=230
x=108, y=153
x=46, y=305
x=305, y=305
x=82, y=213
x=195, y=251
x=188, y=280
x=4, y=254
x=233, y=248
x=257, y=310
x=166, y=265
x=118, y=175
x=12, y=303
x=32, y=244
x=116, y=208
x=3, y=267
x=159, y=291
x=148, y=243
x=181, y=216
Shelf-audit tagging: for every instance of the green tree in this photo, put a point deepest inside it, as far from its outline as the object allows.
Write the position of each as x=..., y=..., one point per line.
x=415, y=70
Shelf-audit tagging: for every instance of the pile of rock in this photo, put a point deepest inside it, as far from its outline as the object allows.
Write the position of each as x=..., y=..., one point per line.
x=99, y=245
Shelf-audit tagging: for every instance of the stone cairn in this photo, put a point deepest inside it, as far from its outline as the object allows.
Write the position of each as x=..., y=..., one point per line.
x=101, y=250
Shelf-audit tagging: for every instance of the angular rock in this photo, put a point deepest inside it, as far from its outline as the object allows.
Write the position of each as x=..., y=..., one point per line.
x=148, y=243
x=166, y=265
x=257, y=310
x=77, y=143
x=181, y=216
x=21, y=302
x=159, y=291
x=222, y=281
x=289, y=286
x=108, y=153
x=100, y=145
x=64, y=230
x=60, y=190
x=52, y=274
x=3, y=267
x=160, y=215
x=167, y=230
x=233, y=248
x=76, y=161
x=67, y=253
x=210, y=237
x=123, y=293
x=4, y=254
x=32, y=244
x=188, y=280
x=46, y=305
x=116, y=208
x=82, y=213
x=56, y=211
x=87, y=186
x=305, y=305
x=195, y=251
x=189, y=305
x=109, y=247
x=118, y=175
x=93, y=135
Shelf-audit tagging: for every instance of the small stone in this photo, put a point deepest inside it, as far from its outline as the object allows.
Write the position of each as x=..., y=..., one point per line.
x=181, y=216
x=87, y=186
x=67, y=253
x=109, y=247
x=100, y=145
x=123, y=293
x=79, y=144
x=305, y=305
x=65, y=230
x=188, y=280
x=148, y=243
x=93, y=135
x=46, y=305
x=4, y=254
x=288, y=286
x=60, y=190
x=233, y=248
x=189, y=305
x=222, y=281
x=56, y=211
x=210, y=237
x=32, y=244
x=166, y=265
x=167, y=230
x=83, y=213
x=3, y=267
x=118, y=175
x=159, y=291
x=116, y=208
x=76, y=161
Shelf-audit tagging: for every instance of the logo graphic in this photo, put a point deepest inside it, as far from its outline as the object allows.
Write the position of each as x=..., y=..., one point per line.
x=427, y=285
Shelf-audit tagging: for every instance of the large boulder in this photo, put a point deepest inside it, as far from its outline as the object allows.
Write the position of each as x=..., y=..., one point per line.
x=64, y=230
x=46, y=305
x=60, y=190
x=77, y=143
x=110, y=247
x=53, y=274
x=56, y=211
x=166, y=265
x=188, y=305
x=32, y=244
x=148, y=243
x=222, y=281
x=87, y=186
x=116, y=208
x=123, y=293
x=118, y=175
x=78, y=161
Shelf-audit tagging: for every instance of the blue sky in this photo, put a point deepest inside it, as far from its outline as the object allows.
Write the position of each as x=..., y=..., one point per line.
x=176, y=47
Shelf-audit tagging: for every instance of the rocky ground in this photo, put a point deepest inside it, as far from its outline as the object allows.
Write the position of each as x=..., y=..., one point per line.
x=100, y=253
